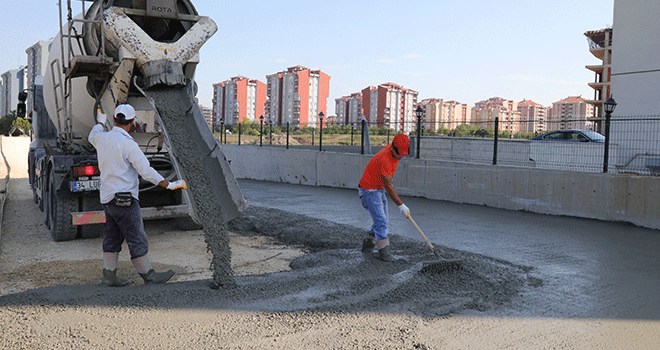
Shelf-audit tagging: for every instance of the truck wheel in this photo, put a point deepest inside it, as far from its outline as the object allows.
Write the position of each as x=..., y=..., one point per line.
x=60, y=209
x=45, y=200
x=38, y=200
x=186, y=223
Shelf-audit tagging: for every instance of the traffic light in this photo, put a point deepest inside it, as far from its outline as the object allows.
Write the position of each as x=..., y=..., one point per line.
x=20, y=109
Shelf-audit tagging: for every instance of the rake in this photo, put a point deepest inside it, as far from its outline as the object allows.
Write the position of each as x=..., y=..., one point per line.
x=436, y=265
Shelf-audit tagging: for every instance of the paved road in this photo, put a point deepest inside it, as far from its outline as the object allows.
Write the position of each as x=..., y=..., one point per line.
x=588, y=268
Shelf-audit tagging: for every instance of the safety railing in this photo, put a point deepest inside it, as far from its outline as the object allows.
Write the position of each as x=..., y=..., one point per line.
x=569, y=144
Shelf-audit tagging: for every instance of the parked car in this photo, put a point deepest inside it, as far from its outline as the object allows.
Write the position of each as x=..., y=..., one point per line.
x=571, y=136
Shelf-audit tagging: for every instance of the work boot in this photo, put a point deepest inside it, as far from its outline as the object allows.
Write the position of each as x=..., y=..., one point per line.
x=110, y=279
x=153, y=277
x=368, y=244
x=385, y=254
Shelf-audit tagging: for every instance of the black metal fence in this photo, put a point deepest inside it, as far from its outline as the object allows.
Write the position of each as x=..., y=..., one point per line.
x=633, y=145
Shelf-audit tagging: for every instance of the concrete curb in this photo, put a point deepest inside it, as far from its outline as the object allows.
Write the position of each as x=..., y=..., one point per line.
x=3, y=191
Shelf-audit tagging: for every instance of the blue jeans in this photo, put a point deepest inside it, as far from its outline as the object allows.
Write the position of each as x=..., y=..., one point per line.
x=375, y=201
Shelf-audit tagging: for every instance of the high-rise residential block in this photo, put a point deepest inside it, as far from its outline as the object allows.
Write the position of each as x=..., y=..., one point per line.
x=485, y=112
x=390, y=105
x=37, y=62
x=600, y=45
x=444, y=114
x=533, y=116
x=238, y=99
x=297, y=96
x=207, y=112
x=349, y=109
x=13, y=82
x=573, y=112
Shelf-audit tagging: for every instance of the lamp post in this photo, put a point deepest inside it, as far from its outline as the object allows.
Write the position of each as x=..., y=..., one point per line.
x=222, y=130
x=261, y=132
x=321, y=132
x=352, y=129
x=420, y=113
x=610, y=105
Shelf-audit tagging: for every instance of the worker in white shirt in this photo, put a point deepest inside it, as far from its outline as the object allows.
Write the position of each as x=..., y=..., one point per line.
x=120, y=162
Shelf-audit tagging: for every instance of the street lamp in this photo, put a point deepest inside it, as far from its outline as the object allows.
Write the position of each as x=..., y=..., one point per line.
x=321, y=132
x=222, y=130
x=420, y=113
x=352, y=129
x=261, y=132
x=610, y=105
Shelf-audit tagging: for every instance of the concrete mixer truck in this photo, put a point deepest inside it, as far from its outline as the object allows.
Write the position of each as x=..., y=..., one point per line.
x=141, y=52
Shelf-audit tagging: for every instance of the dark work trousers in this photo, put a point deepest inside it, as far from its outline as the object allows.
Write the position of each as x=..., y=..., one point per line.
x=124, y=223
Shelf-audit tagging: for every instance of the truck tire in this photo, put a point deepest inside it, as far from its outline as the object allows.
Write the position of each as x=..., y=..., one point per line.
x=186, y=223
x=60, y=209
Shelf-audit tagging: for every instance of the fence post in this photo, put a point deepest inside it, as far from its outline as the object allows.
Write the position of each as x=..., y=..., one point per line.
x=223, y=131
x=607, y=142
x=419, y=134
x=312, y=136
x=364, y=126
x=239, y=134
x=287, y=135
x=497, y=131
x=352, y=129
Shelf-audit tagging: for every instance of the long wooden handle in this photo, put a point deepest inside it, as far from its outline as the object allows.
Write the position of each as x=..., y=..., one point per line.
x=422, y=233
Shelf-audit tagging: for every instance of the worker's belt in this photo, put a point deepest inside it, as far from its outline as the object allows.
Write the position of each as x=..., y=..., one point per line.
x=123, y=199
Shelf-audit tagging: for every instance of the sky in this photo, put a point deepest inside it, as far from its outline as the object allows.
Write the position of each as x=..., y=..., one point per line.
x=467, y=51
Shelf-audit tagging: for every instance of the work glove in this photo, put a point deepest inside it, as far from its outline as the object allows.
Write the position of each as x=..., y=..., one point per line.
x=404, y=210
x=101, y=117
x=177, y=184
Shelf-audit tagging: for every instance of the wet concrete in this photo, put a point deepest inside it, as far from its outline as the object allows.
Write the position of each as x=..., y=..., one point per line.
x=579, y=268
x=334, y=276
x=201, y=174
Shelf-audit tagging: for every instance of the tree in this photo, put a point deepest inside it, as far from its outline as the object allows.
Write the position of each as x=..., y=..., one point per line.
x=23, y=124
x=7, y=122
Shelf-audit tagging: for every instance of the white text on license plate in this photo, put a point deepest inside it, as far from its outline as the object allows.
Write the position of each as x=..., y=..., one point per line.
x=88, y=185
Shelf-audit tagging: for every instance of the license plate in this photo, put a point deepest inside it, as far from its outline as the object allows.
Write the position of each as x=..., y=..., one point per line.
x=88, y=185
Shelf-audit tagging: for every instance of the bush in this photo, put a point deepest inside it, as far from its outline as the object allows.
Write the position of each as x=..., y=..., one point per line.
x=9, y=121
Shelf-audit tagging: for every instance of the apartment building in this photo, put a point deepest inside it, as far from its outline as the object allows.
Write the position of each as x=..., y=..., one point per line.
x=238, y=99
x=533, y=117
x=207, y=112
x=573, y=112
x=390, y=105
x=433, y=118
x=341, y=109
x=37, y=62
x=297, y=96
x=600, y=45
x=13, y=82
x=349, y=109
x=439, y=113
x=484, y=114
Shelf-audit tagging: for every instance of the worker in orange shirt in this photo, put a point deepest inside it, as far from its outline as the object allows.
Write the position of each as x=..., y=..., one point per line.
x=375, y=183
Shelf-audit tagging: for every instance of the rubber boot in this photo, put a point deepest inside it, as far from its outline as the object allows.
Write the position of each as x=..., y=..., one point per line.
x=368, y=244
x=153, y=277
x=110, y=279
x=385, y=254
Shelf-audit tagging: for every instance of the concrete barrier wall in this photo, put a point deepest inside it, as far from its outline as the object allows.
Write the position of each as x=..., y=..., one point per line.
x=609, y=197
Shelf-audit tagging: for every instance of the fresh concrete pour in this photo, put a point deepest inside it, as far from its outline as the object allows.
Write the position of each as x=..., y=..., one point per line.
x=334, y=277
x=174, y=106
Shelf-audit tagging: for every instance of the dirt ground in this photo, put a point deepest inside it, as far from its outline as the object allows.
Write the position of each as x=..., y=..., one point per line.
x=296, y=289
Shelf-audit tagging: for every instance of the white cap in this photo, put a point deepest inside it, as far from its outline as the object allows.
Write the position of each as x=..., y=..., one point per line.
x=127, y=111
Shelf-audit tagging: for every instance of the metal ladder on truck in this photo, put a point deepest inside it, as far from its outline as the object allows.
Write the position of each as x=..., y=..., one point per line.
x=74, y=66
